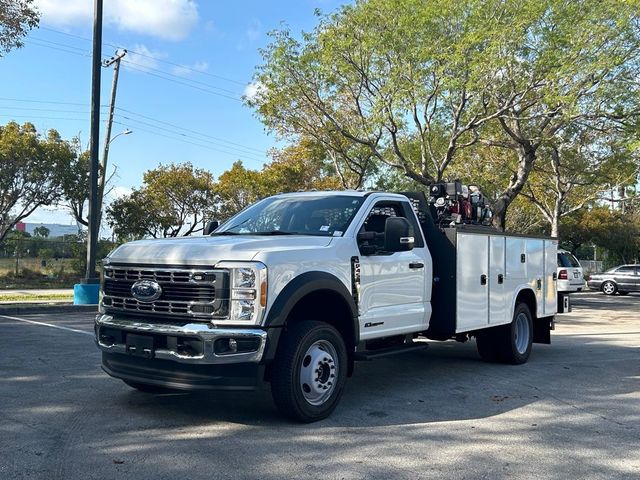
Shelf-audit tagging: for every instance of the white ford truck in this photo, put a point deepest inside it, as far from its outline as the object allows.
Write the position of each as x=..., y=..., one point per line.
x=297, y=287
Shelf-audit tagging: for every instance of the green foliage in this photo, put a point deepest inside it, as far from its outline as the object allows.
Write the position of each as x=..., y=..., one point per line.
x=390, y=75
x=17, y=17
x=615, y=232
x=174, y=200
x=41, y=231
x=300, y=166
x=32, y=167
x=75, y=185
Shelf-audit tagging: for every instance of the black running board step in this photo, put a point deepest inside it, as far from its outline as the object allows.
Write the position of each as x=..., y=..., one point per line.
x=385, y=352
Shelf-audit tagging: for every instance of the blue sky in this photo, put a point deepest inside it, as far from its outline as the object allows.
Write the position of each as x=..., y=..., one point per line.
x=179, y=89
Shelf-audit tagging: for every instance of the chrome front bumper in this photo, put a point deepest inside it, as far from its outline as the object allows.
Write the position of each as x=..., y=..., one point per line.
x=206, y=333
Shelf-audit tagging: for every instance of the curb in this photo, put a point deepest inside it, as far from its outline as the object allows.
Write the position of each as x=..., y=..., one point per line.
x=24, y=309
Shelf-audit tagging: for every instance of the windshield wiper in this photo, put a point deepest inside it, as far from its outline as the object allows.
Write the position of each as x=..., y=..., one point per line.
x=275, y=232
x=228, y=230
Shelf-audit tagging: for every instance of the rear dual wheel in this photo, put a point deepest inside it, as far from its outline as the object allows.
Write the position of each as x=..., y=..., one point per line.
x=508, y=343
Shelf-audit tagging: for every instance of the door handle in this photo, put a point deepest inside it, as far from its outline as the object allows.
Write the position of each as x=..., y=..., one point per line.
x=500, y=278
x=416, y=265
x=483, y=279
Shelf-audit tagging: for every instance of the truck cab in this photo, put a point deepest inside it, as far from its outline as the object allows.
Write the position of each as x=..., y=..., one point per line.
x=297, y=287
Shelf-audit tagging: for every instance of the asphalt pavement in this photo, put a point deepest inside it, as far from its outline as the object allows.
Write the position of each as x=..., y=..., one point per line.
x=573, y=411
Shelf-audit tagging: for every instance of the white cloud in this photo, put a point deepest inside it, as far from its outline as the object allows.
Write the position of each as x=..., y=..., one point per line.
x=186, y=70
x=252, y=90
x=119, y=192
x=142, y=58
x=168, y=19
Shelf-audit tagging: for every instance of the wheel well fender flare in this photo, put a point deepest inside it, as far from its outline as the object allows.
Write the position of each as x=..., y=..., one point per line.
x=530, y=297
x=303, y=285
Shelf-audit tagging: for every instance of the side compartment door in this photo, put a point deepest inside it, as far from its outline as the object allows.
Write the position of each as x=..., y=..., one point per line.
x=550, y=277
x=497, y=296
x=472, y=274
x=535, y=271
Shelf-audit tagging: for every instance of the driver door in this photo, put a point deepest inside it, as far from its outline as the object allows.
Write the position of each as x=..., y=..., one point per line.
x=392, y=285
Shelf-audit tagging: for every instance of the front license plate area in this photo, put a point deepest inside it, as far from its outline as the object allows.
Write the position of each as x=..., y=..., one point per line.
x=140, y=345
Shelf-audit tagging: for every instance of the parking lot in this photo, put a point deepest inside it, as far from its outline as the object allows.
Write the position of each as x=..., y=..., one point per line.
x=573, y=411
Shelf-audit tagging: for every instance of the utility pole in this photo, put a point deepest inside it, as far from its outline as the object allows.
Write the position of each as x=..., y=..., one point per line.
x=115, y=61
x=96, y=61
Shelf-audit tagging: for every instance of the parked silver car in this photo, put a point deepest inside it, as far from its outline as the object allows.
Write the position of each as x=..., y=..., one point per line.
x=622, y=279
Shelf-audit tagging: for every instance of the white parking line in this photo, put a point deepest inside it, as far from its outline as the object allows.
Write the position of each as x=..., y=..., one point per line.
x=47, y=325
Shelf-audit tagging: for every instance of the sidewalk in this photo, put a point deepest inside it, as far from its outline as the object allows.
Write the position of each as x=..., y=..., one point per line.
x=37, y=292
x=42, y=300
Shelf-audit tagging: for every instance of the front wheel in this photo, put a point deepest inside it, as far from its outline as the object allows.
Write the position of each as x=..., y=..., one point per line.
x=309, y=371
x=609, y=288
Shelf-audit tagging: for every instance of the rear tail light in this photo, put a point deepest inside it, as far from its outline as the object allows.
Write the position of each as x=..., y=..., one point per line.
x=563, y=275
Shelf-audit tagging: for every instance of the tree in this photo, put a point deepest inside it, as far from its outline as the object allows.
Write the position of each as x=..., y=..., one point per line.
x=237, y=188
x=574, y=172
x=31, y=167
x=384, y=73
x=41, y=231
x=615, y=232
x=174, y=200
x=303, y=165
x=17, y=17
x=579, y=62
x=381, y=72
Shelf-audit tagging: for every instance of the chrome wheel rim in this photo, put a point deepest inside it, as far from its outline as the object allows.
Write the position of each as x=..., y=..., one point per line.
x=608, y=288
x=522, y=333
x=319, y=372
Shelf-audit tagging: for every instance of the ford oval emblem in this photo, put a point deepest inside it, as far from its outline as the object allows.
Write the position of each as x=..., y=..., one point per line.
x=146, y=291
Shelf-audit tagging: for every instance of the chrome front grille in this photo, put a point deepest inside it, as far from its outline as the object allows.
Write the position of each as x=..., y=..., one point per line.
x=193, y=293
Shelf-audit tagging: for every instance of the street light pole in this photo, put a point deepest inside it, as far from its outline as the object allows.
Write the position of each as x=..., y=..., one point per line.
x=92, y=241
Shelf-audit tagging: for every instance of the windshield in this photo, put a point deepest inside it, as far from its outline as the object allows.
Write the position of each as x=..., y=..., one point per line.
x=299, y=215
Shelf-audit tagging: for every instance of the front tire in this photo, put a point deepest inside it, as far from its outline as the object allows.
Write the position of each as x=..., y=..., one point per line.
x=609, y=288
x=309, y=371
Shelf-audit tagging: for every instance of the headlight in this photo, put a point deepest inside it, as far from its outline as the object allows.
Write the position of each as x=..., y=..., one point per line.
x=248, y=292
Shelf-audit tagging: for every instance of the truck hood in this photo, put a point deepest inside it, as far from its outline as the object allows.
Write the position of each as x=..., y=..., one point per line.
x=209, y=250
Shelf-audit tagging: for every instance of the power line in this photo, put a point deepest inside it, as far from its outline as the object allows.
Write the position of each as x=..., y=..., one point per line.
x=187, y=141
x=43, y=118
x=143, y=69
x=56, y=110
x=178, y=76
x=206, y=90
x=33, y=42
x=180, y=134
x=189, y=130
x=113, y=45
x=31, y=100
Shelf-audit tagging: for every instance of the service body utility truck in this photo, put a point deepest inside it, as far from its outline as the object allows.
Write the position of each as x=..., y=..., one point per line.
x=297, y=287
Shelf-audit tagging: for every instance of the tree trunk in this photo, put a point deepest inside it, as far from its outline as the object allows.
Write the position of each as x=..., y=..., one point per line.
x=526, y=159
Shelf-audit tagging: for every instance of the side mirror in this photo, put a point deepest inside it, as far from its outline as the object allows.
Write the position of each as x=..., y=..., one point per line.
x=210, y=227
x=398, y=235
